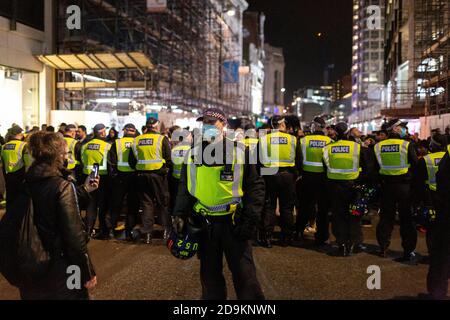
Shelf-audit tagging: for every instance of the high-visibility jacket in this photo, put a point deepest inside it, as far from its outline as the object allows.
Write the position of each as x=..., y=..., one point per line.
x=123, y=148
x=392, y=156
x=13, y=156
x=312, y=150
x=95, y=151
x=342, y=160
x=179, y=154
x=147, y=149
x=278, y=150
x=432, y=162
x=72, y=161
x=217, y=191
x=251, y=143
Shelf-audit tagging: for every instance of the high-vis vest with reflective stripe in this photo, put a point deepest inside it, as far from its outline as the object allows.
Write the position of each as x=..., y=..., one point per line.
x=432, y=162
x=342, y=160
x=251, y=143
x=218, y=193
x=72, y=161
x=312, y=150
x=179, y=154
x=13, y=157
x=124, y=146
x=392, y=156
x=148, y=151
x=277, y=150
x=95, y=151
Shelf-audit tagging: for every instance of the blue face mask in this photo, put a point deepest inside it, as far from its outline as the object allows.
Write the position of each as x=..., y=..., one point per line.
x=209, y=132
x=403, y=132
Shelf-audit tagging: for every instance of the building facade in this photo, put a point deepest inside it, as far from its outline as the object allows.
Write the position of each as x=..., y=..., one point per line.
x=26, y=84
x=253, y=59
x=274, y=66
x=367, y=60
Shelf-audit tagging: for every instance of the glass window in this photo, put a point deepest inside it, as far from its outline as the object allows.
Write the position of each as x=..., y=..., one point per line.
x=19, y=91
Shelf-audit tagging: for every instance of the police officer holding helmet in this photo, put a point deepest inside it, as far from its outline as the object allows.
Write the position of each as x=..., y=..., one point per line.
x=313, y=182
x=347, y=165
x=396, y=160
x=123, y=180
x=92, y=153
x=279, y=156
x=151, y=157
x=219, y=186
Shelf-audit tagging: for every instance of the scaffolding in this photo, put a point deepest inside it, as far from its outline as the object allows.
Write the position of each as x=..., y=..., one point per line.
x=187, y=46
x=432, y=51
x=418, y=71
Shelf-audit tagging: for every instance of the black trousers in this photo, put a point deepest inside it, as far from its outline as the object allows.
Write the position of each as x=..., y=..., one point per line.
x=14, y=185
x=280, y=187
x=153, y=193
x=173, y=190
x=218, y=240
x=346, y=228
x=396, y=196
x=124, y=185
x=314, y=202
x=439, y=271
x=99, y=206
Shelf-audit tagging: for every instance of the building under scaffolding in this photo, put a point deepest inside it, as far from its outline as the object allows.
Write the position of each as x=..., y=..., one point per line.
x=417, y=58
x=125, y=58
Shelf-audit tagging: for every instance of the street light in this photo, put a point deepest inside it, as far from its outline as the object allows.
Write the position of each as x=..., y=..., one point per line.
x=283, y=90
x=231, y=12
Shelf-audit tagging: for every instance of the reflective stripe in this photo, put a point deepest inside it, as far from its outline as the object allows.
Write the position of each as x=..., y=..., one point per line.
x=123, y=164
x=355, y=168
x=222, y=207
x=193, y=178
x=158, y=149
x=431, y=170
x=149, y=161
x=71, y=149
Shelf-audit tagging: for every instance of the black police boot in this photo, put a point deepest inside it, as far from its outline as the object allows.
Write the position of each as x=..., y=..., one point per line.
x=342, y=250
x=285, y=241
x=349, y=249
x=269, y=240
x=409, y=258
x=147, y=238
x=383, y=253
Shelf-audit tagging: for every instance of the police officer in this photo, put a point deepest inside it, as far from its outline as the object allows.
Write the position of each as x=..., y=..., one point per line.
x=439, y=271
x=181, y=142
x=425, y=185
x=279, y=156
x=123, y=180
x=151, y=157
x=219, y=184
x=15, y=160
x=396, y=160
x=74, y=147
x=347, y=165
x=96, y=152
x=312, y=193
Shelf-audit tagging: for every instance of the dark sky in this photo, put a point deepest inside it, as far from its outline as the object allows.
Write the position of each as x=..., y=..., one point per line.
x=294, y=24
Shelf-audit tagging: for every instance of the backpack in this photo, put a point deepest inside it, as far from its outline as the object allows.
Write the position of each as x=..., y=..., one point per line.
x=23, y=258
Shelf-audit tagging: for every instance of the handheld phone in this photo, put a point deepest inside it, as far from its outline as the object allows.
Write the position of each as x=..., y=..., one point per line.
x=95, y=171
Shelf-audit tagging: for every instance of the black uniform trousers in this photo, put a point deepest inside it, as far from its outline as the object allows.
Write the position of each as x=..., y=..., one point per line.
x=439, y=271
x=99, y=205
x=346, y=227
x=124, y=185
x=314, y=202
x=153, y=193
x=396, y=196
x=218, y=240
x=173, y=190
x=14, y=185
x=281, y=187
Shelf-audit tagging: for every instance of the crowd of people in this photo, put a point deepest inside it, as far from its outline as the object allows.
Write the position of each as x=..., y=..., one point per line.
x=326, y=174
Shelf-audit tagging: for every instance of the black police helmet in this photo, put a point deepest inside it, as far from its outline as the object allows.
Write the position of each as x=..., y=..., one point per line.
x=185, y=246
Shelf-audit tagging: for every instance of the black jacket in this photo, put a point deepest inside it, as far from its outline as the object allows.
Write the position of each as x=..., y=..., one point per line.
x=253, y=188
x=57, y=217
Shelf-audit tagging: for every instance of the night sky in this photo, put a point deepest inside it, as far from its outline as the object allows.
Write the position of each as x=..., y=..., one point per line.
x=294, y=25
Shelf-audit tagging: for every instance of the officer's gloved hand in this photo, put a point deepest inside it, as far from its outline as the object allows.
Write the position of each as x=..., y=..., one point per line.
x=178, y=224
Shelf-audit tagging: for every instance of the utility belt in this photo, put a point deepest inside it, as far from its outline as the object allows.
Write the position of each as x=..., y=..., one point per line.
x=221, y=213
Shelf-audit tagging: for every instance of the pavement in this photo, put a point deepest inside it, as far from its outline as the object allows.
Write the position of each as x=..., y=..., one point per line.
x=139, y=272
